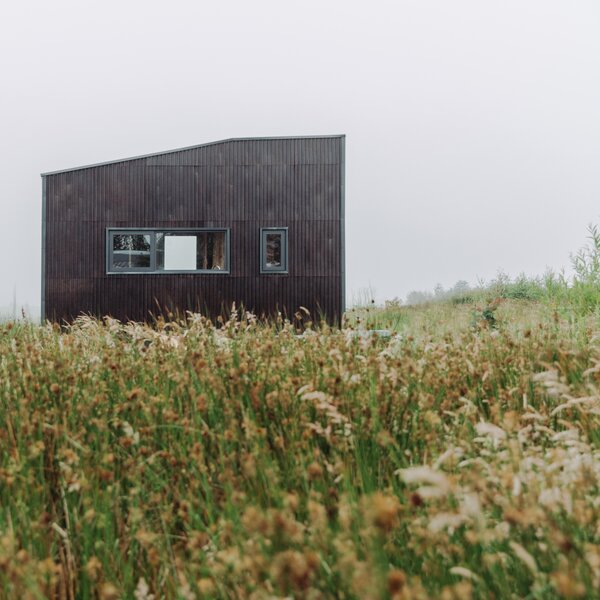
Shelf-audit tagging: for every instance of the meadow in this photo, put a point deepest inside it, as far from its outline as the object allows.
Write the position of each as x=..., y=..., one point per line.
x=458, y=458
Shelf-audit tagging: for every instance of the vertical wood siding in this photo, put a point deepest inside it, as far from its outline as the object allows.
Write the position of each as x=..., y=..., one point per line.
x=240, y=184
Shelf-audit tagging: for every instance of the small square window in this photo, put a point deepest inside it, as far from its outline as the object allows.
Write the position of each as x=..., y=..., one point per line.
x=273, y=250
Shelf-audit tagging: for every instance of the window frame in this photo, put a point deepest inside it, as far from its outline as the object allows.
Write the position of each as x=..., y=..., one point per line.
x=264, y=269
x=153, y=231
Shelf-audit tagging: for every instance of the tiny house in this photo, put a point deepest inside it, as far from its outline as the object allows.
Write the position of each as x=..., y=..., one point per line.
x=255, y=221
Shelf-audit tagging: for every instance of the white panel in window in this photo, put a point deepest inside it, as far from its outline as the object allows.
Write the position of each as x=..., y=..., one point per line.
x=180, y=253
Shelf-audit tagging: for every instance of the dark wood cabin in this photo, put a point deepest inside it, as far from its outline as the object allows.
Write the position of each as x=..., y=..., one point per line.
x=255, y=221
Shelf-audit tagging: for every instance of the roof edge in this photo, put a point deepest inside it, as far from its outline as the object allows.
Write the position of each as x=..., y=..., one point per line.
x=183, y=149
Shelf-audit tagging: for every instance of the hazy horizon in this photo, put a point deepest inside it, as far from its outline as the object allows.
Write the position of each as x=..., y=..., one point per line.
x=472, y=127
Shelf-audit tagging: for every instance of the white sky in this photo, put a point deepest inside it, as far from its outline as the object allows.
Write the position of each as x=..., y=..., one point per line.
x=473, y=126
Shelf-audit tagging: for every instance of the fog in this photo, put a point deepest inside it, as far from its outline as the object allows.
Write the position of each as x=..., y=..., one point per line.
x=473, y=127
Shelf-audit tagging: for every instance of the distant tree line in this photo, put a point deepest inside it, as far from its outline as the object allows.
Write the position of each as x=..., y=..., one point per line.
x=460, y=288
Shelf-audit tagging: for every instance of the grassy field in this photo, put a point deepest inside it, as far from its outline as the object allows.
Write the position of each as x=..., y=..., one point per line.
x=458, y=458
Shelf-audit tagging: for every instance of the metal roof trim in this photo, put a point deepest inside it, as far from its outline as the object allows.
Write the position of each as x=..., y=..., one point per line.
x=175, y=150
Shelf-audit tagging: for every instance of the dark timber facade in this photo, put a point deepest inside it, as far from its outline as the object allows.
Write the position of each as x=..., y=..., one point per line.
x=258, y=222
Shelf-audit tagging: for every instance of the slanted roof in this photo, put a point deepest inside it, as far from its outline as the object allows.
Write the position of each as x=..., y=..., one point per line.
x=164, y=152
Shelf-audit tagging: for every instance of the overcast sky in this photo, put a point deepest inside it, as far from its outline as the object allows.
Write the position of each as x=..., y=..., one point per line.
x=473, y=126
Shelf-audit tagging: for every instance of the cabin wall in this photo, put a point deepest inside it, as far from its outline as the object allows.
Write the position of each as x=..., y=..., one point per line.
x=243, y=185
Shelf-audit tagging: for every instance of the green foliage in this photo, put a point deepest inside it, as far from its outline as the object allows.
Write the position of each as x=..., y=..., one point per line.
x=486, y=316
x=467, y=298
x=586, y=262
x=243, y=460
x=584, y=294
x=578, y=296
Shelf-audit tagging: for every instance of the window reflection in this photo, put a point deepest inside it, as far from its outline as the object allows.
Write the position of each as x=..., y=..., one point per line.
x=131, y=251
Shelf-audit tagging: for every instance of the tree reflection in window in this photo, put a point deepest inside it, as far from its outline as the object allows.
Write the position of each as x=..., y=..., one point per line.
x=273, y=250
x=273, y=254
x=131, y=251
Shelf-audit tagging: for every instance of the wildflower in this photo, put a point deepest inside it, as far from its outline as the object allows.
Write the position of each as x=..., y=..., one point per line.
x=206, y=586
x=142, y=591
x=439, y=485
x=291, y=570
x=249, y=466
x=109, y=592
x=130, y=434
x=396, y=581
x=460, y=591
x=470, y=505
x=318, y=516
x=524, y=557
x=416, y=500
x=552, y=382
x=449, y=521
x=464, y=572
x=314, y=471
x=384, y=511
x=566, y=585
x=585, y=404
x=493, y=431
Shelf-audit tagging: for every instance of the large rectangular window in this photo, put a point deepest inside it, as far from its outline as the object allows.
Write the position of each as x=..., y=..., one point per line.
x=273, y=250
x=167, y=251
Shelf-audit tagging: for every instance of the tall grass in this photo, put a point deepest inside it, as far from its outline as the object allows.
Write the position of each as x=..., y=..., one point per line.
x=187, y=460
